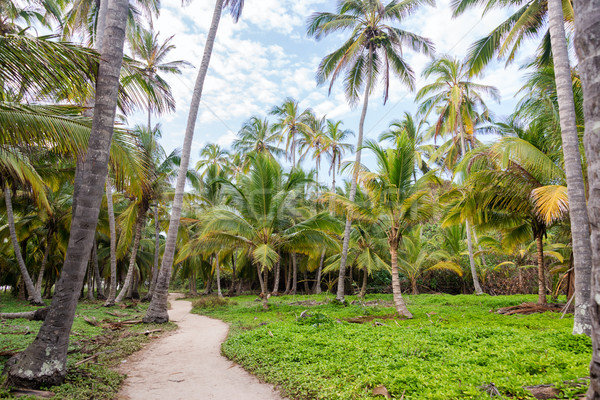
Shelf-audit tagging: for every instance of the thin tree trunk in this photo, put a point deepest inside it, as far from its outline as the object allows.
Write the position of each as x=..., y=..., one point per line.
x=40, y=278
x=132, y=259
x=587, y=43
x=413, y=286
x=319, y=273
x=541, y=270
x=363, y=289
x=156, y=253
x=263, y=288
x=99, y=289
x=208, y=287
x=397, y=292
x=90, y=278
x=580, y=232
x=44, y=362
x=331, y=202
x=112, y=293
x=218, y=276
x=306, y=286
x=157, y=311
x=233, y=274
x=288, y=276
x=193, y=289
x=277, y=273
x=361, y=125
x=294, y=274
x=34, y=295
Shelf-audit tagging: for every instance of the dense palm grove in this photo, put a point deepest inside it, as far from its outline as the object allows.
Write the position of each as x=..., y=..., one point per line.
x=456, y=199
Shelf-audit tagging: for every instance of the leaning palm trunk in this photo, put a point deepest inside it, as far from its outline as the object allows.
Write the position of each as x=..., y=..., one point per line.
x=541, y=270
x=264, y=292
x=588, y=52
x=44, y=362
x=127, y=286
x=361, y=125
x=582, y=250
x=319, y=274
x=34, y=295
x=217, y=266
x=38, y=283
x=156, y=253
x=363, y=289
x=112, y=293
x=157, y=311
x=99, y=289
x=397, y=292
x=276, y=278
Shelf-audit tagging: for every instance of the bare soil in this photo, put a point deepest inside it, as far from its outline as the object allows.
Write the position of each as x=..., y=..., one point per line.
x=188, y=364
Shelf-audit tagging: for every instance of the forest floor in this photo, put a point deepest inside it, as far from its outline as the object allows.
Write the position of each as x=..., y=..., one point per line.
x=187, y=364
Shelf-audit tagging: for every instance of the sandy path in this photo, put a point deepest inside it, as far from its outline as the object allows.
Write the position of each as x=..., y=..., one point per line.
x=188, y=365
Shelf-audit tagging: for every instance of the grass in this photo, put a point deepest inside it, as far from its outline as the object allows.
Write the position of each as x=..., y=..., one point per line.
x=452, y=349
x=96, y=379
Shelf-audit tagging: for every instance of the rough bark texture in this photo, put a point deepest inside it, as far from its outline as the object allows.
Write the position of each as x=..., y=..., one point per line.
x=34, y=295
x=587, y=43
x=44, y=361
x=157, y=311
x=541, y=270
x=156, y=253
x=36, y=315
x=580, y=232
x=112, y=293
x=361, y=126
x=127, y=286
x=398, y=300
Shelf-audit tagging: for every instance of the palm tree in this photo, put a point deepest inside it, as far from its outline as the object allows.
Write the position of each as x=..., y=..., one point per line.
x=151, y=55
x=335, y=147
x=457, y=99
x=212, y=155
x=530, y=20
x=256, y=136
x=588, y=14
x=373, y=48
x=291, y=123
x=44, y=361
x=157, y=311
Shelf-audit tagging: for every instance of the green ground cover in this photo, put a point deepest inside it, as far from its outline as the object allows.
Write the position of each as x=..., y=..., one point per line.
x=94, y=379
x=452, y=349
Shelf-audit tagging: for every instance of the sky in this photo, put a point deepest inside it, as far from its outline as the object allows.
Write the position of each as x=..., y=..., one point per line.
x=267, y=57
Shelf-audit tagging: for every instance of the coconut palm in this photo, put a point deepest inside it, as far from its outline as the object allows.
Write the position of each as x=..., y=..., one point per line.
x=44, y=361
x=157, y=311
x=212, y=155
x=458, y=101
x=256, y=136
x=335, y=147
x=291, y=123
x=372, y=51
x=531, y=20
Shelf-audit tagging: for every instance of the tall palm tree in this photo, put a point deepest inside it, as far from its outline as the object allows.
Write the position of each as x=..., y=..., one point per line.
x=335, y=147
x=457, y=99
x=212, y=155
x=157, y=311
x=256, y=136
x=530, y=21
x=291, y=122
x=44, y=361
x=373, y=50
x=587, y=30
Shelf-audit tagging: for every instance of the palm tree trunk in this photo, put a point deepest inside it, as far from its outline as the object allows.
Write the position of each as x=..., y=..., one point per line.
x=361, y=125
x=541, y=270
x=572, y=158
x=38, y=283
x=99, y=289
x=288, y=276
x=294, y=274
x=319, y=273
x=363, y=289
x=34, y=295
x=331, y=203
x=193, y=289
x=112, y=293
x=218, y=276
x=44, y=362
x=277, y=274
x=156, y=253
x=90, y=279
x=132, y=259
x=157, y=311
x=263, y=288
x=397, y=292
x=306, y=286
x=208, y=287
x=587, y=33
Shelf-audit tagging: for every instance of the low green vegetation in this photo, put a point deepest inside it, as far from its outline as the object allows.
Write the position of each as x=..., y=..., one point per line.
x=96, y=347
x=456, y=347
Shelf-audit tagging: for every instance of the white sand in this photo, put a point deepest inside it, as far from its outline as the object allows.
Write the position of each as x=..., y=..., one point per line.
x=188, y=364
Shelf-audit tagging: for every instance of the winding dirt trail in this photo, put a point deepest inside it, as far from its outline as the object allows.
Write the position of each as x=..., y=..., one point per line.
x=188, y=364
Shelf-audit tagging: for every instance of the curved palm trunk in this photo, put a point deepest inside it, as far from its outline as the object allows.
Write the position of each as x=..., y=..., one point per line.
x=157, y=311
x=582, y=250
x=127, y=286
x=361, y=125
x=44, y=362
x=263, y=288
x=319, y=273
x=276, y=279
x=112, y=293
x=34, y=295
x=398, y=300
x=587, y=16
x=38, y=283
x=541, y=270
x=363, y=289
x=156, y=253
x=219, y=293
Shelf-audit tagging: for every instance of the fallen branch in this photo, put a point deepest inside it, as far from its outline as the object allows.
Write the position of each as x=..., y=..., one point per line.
x=36, y=315
x=30, y=392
